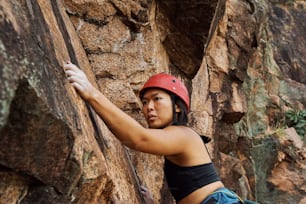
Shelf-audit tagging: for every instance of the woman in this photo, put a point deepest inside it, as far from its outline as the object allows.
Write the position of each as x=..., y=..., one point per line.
x=189, y=171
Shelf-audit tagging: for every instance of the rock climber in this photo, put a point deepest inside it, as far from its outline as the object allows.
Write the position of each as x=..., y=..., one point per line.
x=188, y=168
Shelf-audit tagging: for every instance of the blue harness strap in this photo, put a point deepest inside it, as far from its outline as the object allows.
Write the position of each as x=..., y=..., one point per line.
x=225, y=196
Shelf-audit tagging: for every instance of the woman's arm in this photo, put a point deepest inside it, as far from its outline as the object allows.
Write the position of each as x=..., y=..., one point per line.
x=167, y=141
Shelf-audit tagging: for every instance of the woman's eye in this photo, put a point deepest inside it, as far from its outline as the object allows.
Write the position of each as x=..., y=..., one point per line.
x=144, y=102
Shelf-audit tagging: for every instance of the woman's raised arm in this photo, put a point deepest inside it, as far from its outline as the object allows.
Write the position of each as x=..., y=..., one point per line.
x=165, y=141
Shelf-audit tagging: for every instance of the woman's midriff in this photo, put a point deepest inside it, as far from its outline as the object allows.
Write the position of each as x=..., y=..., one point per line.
x=200, y=194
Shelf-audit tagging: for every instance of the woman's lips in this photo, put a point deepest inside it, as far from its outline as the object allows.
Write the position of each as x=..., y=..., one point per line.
x=151, y=117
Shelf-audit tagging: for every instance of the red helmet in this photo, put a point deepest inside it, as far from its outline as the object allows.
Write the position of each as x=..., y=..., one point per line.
x=169, y=83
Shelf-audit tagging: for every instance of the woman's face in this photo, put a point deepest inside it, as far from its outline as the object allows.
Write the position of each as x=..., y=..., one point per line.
x=157, y=108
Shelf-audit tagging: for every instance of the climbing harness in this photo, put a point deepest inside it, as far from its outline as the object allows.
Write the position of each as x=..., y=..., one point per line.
x=231, y=198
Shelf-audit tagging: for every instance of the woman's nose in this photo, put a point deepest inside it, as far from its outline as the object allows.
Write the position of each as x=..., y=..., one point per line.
x=150, y=105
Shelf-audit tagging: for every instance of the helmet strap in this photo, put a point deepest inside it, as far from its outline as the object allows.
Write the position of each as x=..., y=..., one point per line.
x=174, y=119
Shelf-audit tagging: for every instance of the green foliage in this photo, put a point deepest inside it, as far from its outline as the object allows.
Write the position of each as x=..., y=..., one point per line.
x=297, y=119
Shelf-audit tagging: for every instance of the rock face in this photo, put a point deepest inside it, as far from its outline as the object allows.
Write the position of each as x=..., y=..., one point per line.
x=242, y=61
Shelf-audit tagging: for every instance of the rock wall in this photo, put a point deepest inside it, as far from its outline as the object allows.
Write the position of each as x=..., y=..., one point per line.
x=242, y=61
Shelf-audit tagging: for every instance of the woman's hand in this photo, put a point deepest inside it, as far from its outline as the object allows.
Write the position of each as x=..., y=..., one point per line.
x=146, y=195
x=79, y=81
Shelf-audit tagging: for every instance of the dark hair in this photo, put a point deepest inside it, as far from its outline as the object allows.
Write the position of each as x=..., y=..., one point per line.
x=180, y=118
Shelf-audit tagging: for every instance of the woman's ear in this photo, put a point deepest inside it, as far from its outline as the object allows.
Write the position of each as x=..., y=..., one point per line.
x=177, y=109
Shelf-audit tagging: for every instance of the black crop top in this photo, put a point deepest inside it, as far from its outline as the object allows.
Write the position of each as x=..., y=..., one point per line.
x=184, y=180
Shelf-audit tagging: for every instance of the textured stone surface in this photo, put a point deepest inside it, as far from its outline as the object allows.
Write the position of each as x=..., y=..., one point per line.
x=242, y=61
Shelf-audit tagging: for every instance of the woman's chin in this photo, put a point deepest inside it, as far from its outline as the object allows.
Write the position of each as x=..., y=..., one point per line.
x=157, y=126
x=153, y=126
